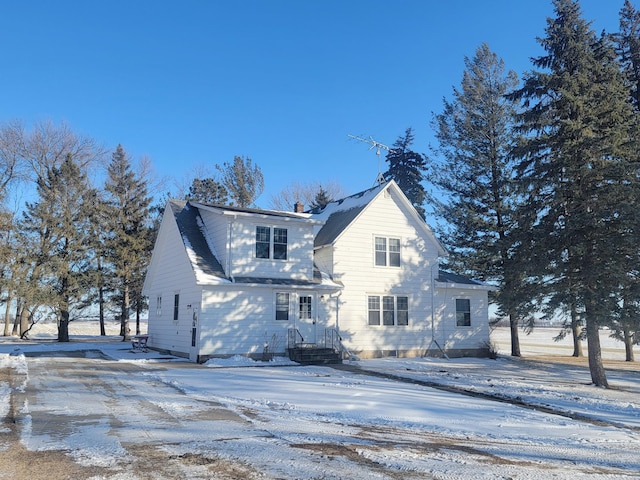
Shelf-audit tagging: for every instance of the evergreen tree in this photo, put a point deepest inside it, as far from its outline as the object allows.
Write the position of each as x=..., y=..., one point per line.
x=407, y=168
x=628, y=48
x=58, y=226
x=243, y=181
x=312, y=194
x=578, y=168
x=475, y=138
x=127, y=243
x=208, y=191
x=321, y=199
x=627, y=321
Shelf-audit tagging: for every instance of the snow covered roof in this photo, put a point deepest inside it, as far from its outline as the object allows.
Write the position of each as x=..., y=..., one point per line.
x=338, y=215
x=448, y=277
x=205, y=263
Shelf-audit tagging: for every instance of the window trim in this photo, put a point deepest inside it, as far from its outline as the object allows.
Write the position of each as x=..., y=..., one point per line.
x=267, y=246
x=288, y=304
x=463, y=314
x=392, y=254
x=261, y=242
x=176, y=306
x=380, y=315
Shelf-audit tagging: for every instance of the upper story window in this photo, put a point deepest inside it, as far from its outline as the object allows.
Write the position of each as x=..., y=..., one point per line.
x=387, y=252
x=268, y=246
x=280, y=243
x=463, y=312
x=159, y=306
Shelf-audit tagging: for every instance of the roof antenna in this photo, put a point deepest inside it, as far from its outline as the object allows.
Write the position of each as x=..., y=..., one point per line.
x=378, y=146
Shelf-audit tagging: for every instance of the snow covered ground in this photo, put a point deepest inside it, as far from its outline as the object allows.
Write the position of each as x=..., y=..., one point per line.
x=362, y=421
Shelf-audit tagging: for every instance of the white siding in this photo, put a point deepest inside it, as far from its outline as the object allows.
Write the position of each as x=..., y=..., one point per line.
x=172, y=275
x=451, y=337
x=354, y=267
x=299, y=262
x=217, y=231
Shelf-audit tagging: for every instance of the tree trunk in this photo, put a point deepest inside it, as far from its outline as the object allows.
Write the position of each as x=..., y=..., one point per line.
x=63, y=326
x=576, y=330
x=515, y=341
x=628, y=344
x=124, y=318
x=24, y=321
x=16, y=321
x=598, y=375
x=138, y=308
x=7, y=317
x=101, y=310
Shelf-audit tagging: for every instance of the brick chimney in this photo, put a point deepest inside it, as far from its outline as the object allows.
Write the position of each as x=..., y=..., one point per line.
x=298, y=207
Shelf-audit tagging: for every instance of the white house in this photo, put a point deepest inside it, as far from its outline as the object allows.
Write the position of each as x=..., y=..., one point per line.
x=359, y=275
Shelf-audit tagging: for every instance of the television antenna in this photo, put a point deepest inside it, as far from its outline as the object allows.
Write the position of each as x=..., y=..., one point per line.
x=378, y=146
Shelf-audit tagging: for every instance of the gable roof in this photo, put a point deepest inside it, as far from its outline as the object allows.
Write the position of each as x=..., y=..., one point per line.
x=340, y=214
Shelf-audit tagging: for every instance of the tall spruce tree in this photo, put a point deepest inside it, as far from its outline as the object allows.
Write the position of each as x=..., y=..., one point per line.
x=578, y=168
x=627, y=321
x=407, y=168
x=475, y=175
x=627, y=42
x=127, y=244
x=58, y=228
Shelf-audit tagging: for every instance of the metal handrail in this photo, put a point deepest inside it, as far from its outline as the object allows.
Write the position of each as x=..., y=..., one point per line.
x=332, y=339
x=292, y=337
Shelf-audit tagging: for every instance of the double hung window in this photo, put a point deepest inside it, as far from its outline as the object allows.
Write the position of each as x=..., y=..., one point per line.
x=282, y=306
x=389, y=310
x=463, y=312
x=268, y=246
x=387, y=252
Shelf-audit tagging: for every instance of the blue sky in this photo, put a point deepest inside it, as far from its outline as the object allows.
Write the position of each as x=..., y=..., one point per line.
x=194, y=83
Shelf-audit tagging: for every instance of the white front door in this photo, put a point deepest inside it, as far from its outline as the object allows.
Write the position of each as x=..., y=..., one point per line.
x=306, y=318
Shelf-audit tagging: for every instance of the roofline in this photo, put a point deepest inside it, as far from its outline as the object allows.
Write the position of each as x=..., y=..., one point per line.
x=255, y=212
x=465, y=286
x=442, y=252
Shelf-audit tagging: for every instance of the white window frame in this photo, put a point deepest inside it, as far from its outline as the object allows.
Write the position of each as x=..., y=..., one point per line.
x=176, y=307
x=272, y=233
x=158, y=305
x=463, y=316
x=287, y=295
x=392, y=253
x=383, y=310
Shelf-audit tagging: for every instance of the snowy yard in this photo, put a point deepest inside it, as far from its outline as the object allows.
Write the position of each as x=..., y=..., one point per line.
x=241, y=419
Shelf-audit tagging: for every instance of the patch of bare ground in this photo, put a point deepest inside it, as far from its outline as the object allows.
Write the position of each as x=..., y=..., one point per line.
x=352, y=453
x=154, y=463
x=18, y=463
x=584, y=362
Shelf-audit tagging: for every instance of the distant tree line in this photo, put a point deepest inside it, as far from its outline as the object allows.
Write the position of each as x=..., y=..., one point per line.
x=74, y=248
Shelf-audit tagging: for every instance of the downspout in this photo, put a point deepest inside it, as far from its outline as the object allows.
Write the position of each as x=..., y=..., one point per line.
x=230, y=250
x=433, y=315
